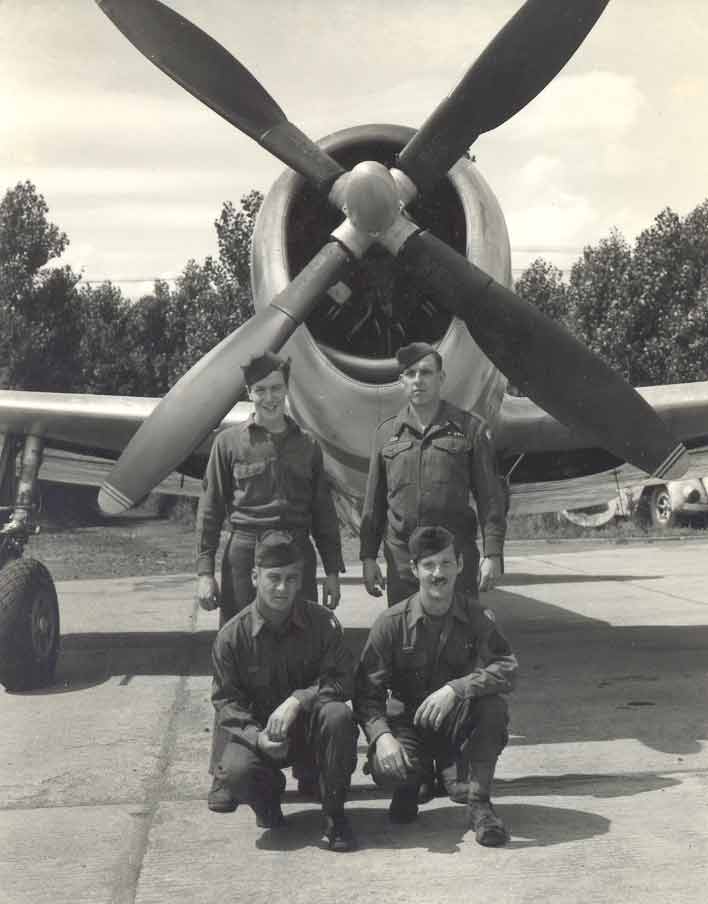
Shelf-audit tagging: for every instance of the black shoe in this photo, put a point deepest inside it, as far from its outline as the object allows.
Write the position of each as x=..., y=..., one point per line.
x=426, y=791
x=404, y=805
x=268, y=815
x=489, y=830
x=219, y=799
x=338, y=835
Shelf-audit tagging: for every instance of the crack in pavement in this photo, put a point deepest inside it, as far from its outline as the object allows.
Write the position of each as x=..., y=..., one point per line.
x=125, y=888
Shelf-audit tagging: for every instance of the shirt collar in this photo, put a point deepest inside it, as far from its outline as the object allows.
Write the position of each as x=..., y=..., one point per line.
x=290, y=425
x=445, y=414
x=415, y=611
x=296, y=618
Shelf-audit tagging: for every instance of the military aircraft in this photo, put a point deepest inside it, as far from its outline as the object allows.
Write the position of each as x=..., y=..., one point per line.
x=373, y=237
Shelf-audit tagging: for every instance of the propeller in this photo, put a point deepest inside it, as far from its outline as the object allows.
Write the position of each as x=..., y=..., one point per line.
x=200, y=399
x=528, y=52
x=543, y=359
x=519, y=62
x=208, y=71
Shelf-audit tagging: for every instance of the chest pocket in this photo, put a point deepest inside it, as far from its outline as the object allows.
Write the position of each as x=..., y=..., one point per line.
x=246, y=470
x=399, y=462
x=449, y=458
x=460, y=654
x=411, y=660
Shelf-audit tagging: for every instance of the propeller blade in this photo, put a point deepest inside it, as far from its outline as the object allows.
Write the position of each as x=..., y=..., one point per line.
x=546, y=362
x=528, y=52
x=197, y=403
x=209, y=72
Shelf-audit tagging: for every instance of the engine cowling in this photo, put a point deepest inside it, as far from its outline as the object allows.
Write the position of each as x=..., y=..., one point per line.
x=344, y=375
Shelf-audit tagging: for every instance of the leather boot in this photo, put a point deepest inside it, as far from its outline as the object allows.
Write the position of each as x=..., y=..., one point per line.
x=489, y=829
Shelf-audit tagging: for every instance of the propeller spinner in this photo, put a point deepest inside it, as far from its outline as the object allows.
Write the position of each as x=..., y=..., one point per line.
x=551, y=365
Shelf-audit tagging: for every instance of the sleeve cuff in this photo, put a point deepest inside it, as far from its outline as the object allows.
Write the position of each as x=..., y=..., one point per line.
x=493, y=546
x=206, y=563
x=306, y=696
x=375, y=729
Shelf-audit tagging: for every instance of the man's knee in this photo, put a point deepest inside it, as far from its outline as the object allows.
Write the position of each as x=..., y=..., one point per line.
x=488, y=725
x=338, y=732
x=241, y=771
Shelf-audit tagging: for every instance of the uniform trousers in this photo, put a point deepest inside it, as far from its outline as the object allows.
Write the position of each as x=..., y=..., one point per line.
x=474, y=731
x=323, y=740
x=401, y=582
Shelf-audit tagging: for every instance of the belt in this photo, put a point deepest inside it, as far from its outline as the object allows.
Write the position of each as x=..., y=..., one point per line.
x=248, y=536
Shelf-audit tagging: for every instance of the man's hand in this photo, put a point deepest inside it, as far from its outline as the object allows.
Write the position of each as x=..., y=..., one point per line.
x=390, y=758
x=331, y=593
x=373, y=579
x=434, y=708
x=276, y=750
x=281, y=719
x=490, y=570
x=207, y=592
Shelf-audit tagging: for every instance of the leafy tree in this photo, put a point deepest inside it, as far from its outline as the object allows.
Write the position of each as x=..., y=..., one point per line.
x=27, y=240
x=542, y=284
x=38, y=306
x=599, y=300
x=642, y=308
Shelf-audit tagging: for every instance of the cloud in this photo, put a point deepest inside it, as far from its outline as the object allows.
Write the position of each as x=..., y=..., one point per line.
x=539, y=171
x=560, y=220
x=597, y=101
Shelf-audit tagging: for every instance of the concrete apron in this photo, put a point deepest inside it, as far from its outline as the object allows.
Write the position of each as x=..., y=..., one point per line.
x=604, y=784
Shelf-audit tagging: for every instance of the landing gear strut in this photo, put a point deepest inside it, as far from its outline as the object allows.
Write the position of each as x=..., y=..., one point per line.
x=29, y=611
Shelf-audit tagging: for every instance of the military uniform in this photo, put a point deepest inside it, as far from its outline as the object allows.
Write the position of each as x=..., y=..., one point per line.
x=256, y=667
x=265, y=480
x=411, y=654
x=425, y=477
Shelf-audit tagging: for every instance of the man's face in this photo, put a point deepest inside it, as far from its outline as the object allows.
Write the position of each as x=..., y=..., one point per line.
x=436, y=574
x=268, y=396
x=277, y=586
x=422, y=381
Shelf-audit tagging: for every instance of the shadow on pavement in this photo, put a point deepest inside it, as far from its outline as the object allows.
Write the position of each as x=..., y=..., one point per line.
x=441, y=830
x=581, y=679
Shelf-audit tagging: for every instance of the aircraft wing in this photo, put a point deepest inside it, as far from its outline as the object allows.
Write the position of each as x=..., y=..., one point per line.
x=84, y=434
x=552, y=467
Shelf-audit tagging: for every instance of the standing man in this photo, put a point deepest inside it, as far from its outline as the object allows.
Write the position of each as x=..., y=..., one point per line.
x=424, y=464
x=445, y=664
x=265, y=474
x=282, y=676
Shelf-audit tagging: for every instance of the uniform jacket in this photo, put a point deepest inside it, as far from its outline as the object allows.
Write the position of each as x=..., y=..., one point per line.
x=472, y=656
x=257, y=666
x=426, y=478
x=261, y=483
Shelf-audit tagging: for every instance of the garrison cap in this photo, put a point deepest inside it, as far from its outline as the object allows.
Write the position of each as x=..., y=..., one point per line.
x=275, y=548
x=409, y=354
x=427, y=541
x=260, y=366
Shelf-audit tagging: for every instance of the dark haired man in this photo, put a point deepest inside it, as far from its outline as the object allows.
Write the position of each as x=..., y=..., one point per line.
x=281, y=678
x=264, y=474
x=445, y=664
x=425, y=463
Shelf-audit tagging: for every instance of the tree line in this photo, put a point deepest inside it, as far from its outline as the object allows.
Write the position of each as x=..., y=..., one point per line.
x=60, y=335
x=642, y=307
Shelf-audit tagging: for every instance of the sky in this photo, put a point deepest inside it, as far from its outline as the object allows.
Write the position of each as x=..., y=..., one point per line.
x=135, y=170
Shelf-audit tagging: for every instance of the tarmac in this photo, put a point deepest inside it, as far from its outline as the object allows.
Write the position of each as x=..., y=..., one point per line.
x=604, y=784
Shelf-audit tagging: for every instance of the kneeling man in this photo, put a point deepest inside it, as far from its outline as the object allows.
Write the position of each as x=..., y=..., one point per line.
x=445, y=663
x=281, y=678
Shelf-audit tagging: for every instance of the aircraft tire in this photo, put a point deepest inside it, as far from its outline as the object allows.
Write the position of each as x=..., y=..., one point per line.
x=655, y=508
x=29, y=625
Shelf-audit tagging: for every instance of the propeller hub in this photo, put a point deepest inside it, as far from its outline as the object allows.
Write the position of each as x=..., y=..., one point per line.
x=371, y=198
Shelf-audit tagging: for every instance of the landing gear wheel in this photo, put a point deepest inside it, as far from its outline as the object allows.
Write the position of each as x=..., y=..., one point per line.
x=29, y=625
x=661, y=511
